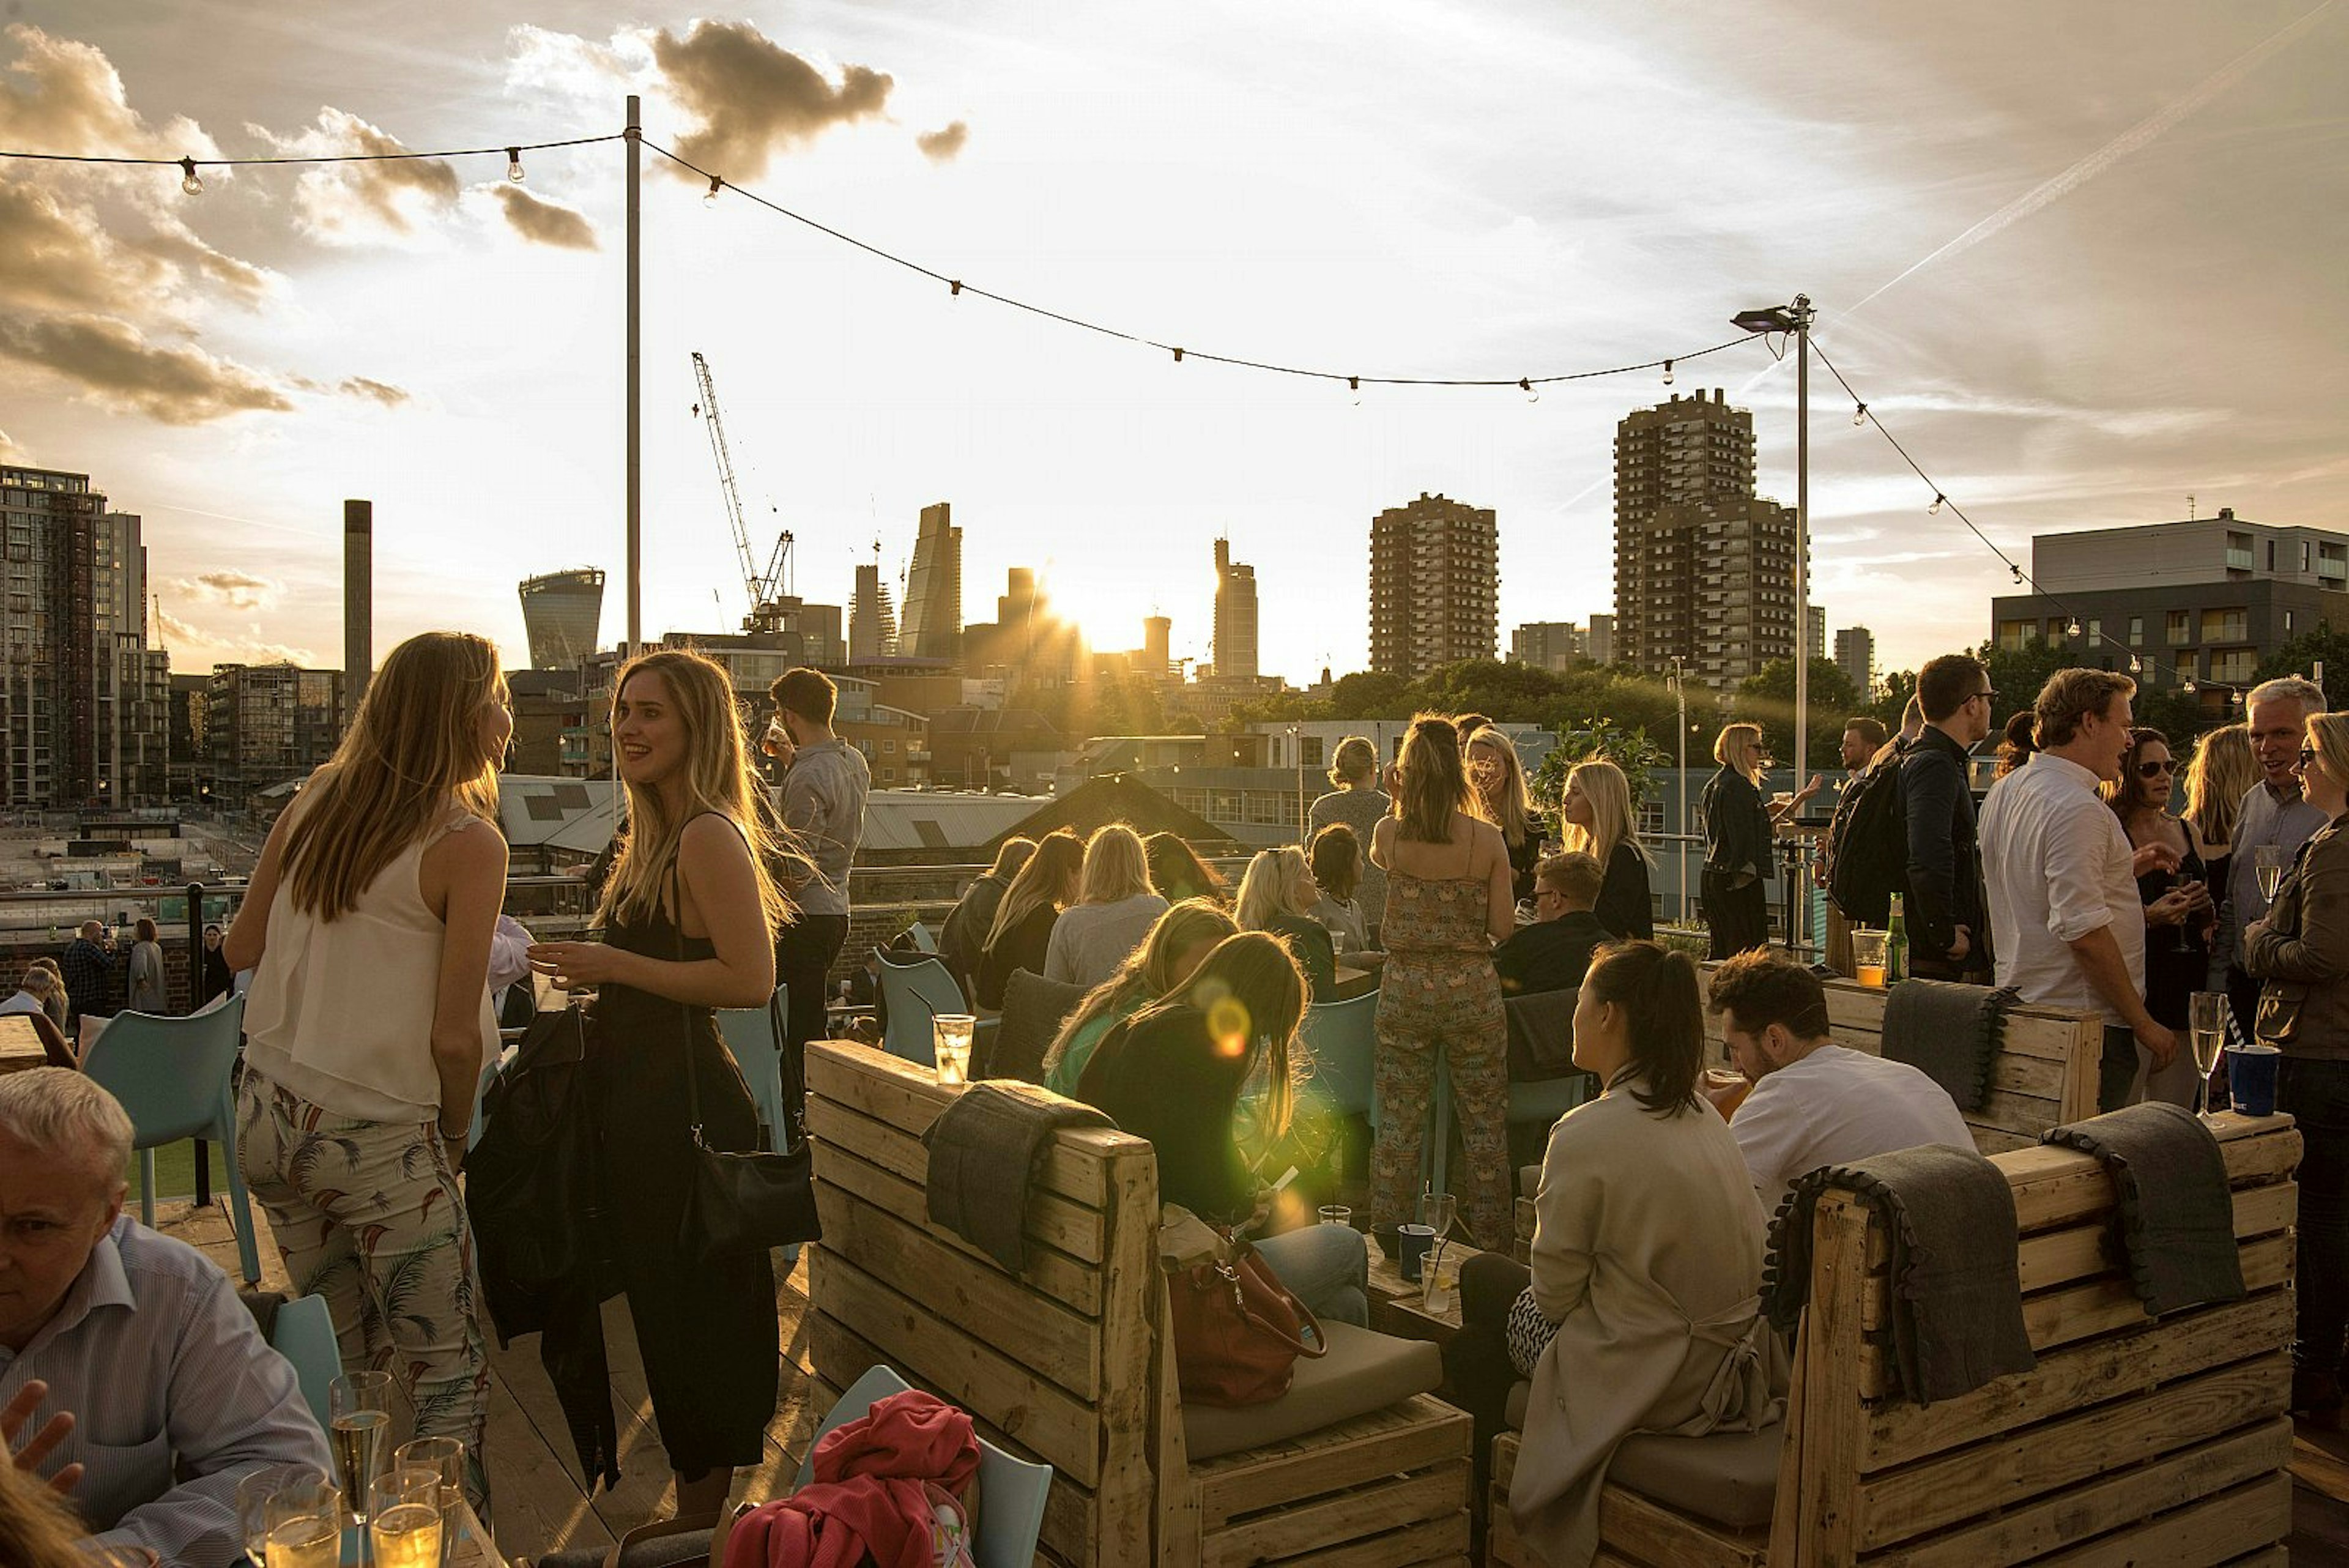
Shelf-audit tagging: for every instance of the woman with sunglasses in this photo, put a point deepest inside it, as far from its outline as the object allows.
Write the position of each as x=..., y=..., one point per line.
x=2179, y=915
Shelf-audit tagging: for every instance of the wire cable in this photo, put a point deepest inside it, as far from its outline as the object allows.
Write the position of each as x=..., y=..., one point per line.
x=508, y=148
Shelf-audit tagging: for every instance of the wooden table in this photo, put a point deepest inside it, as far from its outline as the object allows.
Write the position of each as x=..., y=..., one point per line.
x=1396, y=1303
x=20, y=1045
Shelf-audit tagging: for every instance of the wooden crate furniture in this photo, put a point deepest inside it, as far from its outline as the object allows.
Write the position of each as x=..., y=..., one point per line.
x=1068, y=1361
x=2134, y=1440
x=2043, y=1075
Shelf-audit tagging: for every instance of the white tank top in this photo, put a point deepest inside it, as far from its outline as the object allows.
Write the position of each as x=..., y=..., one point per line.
x=341, y=1010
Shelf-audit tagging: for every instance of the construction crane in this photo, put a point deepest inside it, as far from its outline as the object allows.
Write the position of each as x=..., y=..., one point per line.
x=767, y=590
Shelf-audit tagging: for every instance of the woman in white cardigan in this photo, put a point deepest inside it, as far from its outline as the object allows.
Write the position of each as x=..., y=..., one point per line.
x=1644, y=1314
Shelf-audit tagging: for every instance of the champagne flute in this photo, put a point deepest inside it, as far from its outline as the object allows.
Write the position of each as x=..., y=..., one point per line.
x=445, y=1457
x=2206, y=1028
x=254, y=1494
x=358, y=1407
x=2267, y=860
x=305, y=1526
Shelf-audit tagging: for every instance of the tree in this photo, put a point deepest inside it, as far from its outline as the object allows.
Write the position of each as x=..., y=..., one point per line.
x=1767, y=698
x=1368, y=695
x=2303, y=653
x=1631, y=750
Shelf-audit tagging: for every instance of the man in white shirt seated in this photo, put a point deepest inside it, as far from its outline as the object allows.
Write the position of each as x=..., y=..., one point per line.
x=1814, y=1102
x=130, y=1375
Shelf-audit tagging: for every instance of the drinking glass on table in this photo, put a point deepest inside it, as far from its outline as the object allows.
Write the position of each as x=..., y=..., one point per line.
x=2207, y=1027
x=404, y=1518
x=1868, y=950
x=2267, y=860
x=444, y=1457
x=951, y=1035
x=358, y=1419
x=305, y=1522
x=253, y=1493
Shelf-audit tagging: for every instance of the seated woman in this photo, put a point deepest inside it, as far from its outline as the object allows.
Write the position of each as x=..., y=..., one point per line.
x=1644, y=1311
x=1174, y=1073
x=1176, y=947
x=1277, y=895
x=1021, y=936
x=1114, y=912
x=1337, y=862
x=1178, y=873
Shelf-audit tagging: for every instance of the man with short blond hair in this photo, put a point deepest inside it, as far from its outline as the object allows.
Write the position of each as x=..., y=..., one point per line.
x=161, y=1393
x=1553, y=953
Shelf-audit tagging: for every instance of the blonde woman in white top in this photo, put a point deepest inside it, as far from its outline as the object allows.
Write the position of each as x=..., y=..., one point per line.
x=1115, y=910
x=369, y=923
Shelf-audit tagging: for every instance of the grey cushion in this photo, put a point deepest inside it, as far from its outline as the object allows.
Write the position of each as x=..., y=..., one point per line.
x=1363, y=1372
x=1529, y=1180
x=1730, y=1477
x=1033, y=1009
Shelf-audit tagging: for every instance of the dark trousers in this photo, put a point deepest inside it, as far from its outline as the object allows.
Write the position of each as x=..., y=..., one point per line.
x=2315, y=1095
x=1737, y=918
x=1477, y=1362
x=2118, y=1070
x=2243, y=998
x=803, y=958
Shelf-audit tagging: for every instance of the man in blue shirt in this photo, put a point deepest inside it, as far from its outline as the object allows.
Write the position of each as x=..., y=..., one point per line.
x=172, y=1394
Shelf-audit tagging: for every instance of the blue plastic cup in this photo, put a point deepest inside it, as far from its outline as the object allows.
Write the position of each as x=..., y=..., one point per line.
x=1412, y=1242
x=2252, y=1078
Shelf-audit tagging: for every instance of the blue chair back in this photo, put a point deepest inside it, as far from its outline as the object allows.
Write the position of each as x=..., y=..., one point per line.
x=923, y=941
x=305, y=1335
x=912, y=995
x=1547, y=1099
x=1012, y=1491
x=749, y=1035
x=1343, y=1037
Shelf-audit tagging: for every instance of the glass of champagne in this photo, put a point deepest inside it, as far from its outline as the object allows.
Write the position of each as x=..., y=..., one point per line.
x=2207, y=1027
x=404, y=1518
x=358, y=1405
x=305, y=1526
x=2267, y=860
x=445, y=1457
x=254, y=1494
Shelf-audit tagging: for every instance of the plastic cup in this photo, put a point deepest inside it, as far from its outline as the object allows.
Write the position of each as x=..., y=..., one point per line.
x=1867, y=956
x=1440, y=1287
x=2252, y=1078
x=1410, y=1248
x=950, y=1034
x=1337, y=1214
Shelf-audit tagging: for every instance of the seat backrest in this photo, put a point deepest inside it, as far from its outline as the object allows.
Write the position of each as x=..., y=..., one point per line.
x=924, y=942
x=1342, y=1039
x=1011, y=1492
x=912, y=995
x=305, y=1335
x=170, y=1073
x=750, y=1036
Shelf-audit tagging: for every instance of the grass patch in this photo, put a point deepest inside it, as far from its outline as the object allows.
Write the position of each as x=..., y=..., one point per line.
x=175, y=1170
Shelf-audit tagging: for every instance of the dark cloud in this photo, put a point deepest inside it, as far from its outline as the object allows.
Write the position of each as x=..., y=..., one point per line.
x=543, y=223
x=383, y=392
x=941, y=146
x=238, y=590
x=117, y=367
x=755, y=97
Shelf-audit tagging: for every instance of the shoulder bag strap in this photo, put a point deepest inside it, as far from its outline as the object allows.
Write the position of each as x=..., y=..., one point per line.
x=684, y=1010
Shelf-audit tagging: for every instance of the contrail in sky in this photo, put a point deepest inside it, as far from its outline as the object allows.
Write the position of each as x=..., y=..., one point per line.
x=2113, y=151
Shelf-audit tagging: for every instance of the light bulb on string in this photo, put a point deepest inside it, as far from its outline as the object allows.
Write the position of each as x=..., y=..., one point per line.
x=189, y=181
x=1354, y=385
x=2016, y=570
x=2071, y=626
x=709, y=197
x=1668, y=372
x=2136, y=665
x=1860, y=413
x=1935, y=509
x=2189, y=688
x=513, y=164
x=1525, y=385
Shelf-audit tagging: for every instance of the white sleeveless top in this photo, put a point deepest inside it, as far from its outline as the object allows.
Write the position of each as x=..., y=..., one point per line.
x=341, y=1010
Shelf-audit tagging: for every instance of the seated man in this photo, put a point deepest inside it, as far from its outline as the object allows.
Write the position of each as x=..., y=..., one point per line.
x=1814, y=1102
x=172, y=1393
x=1552, y=953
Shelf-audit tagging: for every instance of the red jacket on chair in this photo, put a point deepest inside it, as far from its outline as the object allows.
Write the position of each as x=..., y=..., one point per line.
x=871, y=1492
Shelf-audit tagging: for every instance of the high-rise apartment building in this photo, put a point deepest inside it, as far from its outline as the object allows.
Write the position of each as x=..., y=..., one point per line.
x=930, y=623
x=1435, y=581
x=84, y=699
x=268, y=724
x=1158, y=645
x=1705, y=570
x=1855, y=655
x=1598, y=642
x=1236, y=620
x=561, y=614
x=872, y=618
x=1552, y=645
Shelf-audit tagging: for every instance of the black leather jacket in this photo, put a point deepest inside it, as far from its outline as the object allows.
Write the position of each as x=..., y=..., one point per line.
x=1737, y=828
x=1945, y=884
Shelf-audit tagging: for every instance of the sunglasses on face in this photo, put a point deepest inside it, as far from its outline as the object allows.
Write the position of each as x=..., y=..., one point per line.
x=2155, y=770
x=2307, y=755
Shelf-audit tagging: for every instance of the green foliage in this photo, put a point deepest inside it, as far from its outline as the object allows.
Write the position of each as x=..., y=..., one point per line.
x=1768, y=700
x=1631, y=750
x=2303, y=653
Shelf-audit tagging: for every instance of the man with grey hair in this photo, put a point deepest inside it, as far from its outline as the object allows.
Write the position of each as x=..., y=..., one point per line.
x=2272, y=814
x=160, y=1393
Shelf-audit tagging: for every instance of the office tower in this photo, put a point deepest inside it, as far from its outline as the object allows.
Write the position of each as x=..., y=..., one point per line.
x=1158, y=645
x=1434, y=585
x=872, y=618
x=269, y=725
x=83, y=698
x=1236, y=622
x=561, y=613
x=930, y=623
x=1704, y=569
x=1855, y=655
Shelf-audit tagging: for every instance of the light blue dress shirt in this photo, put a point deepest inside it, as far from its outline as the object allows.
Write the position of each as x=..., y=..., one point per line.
x=167, y=1376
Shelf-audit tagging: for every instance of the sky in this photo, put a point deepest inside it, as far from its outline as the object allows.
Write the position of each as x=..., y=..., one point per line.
x=2084, y=261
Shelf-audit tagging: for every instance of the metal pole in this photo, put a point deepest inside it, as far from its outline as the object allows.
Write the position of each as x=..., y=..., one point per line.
x=1680, y=781
x=1802, y=537
x=635, y=134
x=196, y=1000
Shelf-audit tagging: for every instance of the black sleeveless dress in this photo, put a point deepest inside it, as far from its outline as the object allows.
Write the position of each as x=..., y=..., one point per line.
x=2176, y=959
x=706, y=1331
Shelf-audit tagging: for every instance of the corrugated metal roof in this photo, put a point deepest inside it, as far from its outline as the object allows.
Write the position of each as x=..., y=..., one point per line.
x=897, y=819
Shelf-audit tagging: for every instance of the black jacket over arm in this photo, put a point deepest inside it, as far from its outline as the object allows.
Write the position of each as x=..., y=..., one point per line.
x=1736, y=824
x=1624, y=906
x=1944, y=874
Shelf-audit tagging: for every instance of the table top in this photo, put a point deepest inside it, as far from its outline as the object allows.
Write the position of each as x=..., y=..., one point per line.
x=20, y=1043
x=1397, y=1304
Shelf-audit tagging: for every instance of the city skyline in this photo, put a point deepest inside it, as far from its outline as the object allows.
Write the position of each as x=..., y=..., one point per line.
x=2000, y=215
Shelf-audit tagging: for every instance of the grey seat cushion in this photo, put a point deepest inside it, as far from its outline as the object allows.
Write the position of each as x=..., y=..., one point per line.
x=1363, y=1372
x=1729, y=1478
x=1033, y=1009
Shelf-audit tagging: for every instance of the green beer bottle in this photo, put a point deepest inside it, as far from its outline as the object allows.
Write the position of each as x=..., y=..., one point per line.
x=1896, y=945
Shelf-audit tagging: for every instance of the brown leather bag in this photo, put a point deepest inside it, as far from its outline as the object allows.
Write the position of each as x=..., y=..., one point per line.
x=1238, y=1330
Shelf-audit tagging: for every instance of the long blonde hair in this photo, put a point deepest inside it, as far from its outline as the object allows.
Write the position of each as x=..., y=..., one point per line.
x=1049, y=880
x=2219, y=776
x=412, y=752
x=1727, y=744
x=1148, y=973
x=1514, y=817
x=716, y=777
x=1433, y=784
x=1273, y=885
x=1612, y=823
x=1115, y=867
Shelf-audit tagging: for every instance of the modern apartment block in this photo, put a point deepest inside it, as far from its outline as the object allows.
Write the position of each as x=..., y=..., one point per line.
x=1552, y=645
x=268, y=724
x=1855, y=655
x=929, y=623
x=2205, y=600
x=1435, y=581
x=561, y=614
x=84, y=701
x=1236, y=616
x=1704, y=569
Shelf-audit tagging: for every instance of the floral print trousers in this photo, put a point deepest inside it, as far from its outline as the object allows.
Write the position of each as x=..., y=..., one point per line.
x=369, y=1215
x=1453, y=1003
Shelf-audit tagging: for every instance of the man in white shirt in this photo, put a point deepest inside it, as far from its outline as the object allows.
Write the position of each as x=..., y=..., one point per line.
x=1814, y=1102
x=2065, y=920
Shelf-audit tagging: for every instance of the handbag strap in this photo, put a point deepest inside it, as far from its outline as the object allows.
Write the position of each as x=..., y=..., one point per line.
x=1320, y=1346
x=684, y=1009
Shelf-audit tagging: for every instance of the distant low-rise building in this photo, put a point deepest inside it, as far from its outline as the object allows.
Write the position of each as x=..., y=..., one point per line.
x=268, y=725
x=1552, y=645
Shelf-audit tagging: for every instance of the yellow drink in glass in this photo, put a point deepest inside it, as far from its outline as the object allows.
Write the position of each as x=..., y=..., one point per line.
x=405, y=1535
x=313, y=1542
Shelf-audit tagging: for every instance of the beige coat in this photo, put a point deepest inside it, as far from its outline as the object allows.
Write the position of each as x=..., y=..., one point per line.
x=1648, y=1251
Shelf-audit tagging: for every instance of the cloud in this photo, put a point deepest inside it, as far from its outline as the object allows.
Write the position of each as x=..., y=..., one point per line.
x=238, y=590
x=187, y=638
x=59, y=96
x=543, y=223
x=351, y=203
x=383, y=392
x=942, y=146
x=117, y=368
x=756, y=98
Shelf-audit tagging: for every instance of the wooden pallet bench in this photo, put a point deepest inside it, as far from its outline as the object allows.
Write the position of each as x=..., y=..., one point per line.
x=2136, y=1441
x=1068, y=1361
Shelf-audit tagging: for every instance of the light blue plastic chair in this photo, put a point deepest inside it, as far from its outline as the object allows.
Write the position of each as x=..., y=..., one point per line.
x=305, y=1335
x=173, y=1075
x=1341, y=1038
x=912, y=995
x=923, y=941
x=1011, y=1492
x=749, y=1035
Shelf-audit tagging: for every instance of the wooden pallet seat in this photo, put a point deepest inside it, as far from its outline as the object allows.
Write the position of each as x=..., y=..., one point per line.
x=1362, y=1372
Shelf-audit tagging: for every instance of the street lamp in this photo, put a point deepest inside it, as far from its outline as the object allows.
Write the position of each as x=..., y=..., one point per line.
x=1678, y=682
x=1796, y=319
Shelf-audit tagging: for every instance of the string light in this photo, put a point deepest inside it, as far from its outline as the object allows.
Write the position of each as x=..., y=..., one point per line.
x=1668, y=372
x=1935, y=509
x=2136, y=665
x=1354, y=385
x=513, y=164
x=1859, y=414
x=2071, y=626
x=189, y=181
x=1525, y=385
x=303, y=159
x=709, y=197
x=2016, y=570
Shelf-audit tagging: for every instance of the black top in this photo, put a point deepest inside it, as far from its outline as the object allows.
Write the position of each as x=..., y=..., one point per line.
x=1308, y=942
x=1524, y=855
x=1168, y=1081
x=1737, y=828
x=1023, y=946
x=1550, y=955
x=1624, y=907
x=2177, y=958
x=963, y=937
x=1944, y=876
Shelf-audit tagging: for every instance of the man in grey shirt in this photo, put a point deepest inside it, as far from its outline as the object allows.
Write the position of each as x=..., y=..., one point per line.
x=825, y=781
x=2272, y=814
